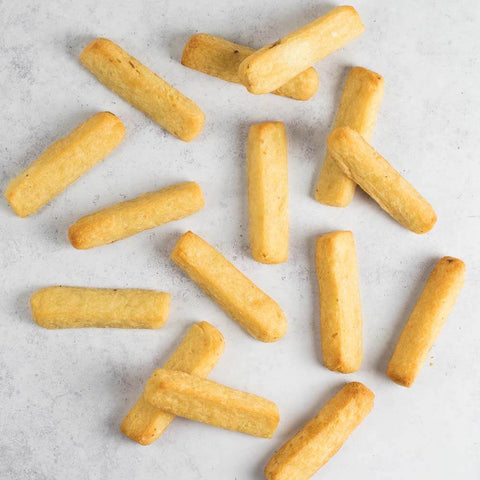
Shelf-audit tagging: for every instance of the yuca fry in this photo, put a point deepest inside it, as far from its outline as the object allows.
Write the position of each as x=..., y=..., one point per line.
x=197, y=354
x=81, y=307
x=358, y=109
x=209, y=402
x=373, y=174
x=323, y=436
x=340, y=306
x=134, y=216
x=239, y=297
x=220, y=58
x=268, y=192
x=64, y=162
x=139, y=86
x=426, y=321
x=274, y=65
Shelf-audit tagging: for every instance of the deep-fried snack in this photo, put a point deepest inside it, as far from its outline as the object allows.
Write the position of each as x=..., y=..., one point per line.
x=209, y=402
x=139, y=86
x=340, y=305
x=197, y=354
x=64, y=162
x=274, y=65
x=253, y=309
x=323, y=436
x=81, y=307
x=358, y=109
x=220, y=58
x=134, y=216
x=373, y=174
x=426, y=321
x=267, y=166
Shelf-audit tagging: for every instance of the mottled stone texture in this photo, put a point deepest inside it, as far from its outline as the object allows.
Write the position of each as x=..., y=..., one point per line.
x=63, y=394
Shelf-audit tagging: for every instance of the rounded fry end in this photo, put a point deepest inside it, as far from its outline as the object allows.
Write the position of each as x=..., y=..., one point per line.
x=163, y=309
x=273, y=330
x=359, y=389
x=400, y=378
x=75, y=237
x=429, y=221
x=38, y=308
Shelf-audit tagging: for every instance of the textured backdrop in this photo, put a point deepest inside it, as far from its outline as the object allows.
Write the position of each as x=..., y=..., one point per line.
x=64, y=393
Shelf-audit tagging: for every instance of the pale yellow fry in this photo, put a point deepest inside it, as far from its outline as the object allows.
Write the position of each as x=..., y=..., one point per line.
x=220, y=58
x=139, y=86
x=81, y=307
x=340, y=306
x=267, y=166
x=197, y=354
x=426, y=321
x=274, y=65
x=323, y=436
x=134, y=216
x=358, y=109
x=64, y=162
x=209, y=402
x=373, y=174
x=231, y=289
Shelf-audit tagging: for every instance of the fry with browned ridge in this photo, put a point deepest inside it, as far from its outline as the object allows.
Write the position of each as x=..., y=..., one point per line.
x=373, y=174
x=361, y=99
x=267, y=167
x=124, y=219
x=209, y=402
x=426, y=321
x=340, y=306
x=81, y=307
x=323, y=436
x=197, y=354
x=146, y=91
x=274, y=65
x=64, y=162
x=220, y=58
x=239, y=297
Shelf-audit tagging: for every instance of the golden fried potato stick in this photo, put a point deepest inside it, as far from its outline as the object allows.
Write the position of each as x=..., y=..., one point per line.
x=267, y=166
x=220, y=58
x=134, y=216
x=139, y=86
x=239, y=297
x=373, y=174
x=81, y=307
x=358, y=109
x=209, y=402
x=197, y=354
x=274, y=65
x=323, y=436
x=426, y=321
x=64, y=162
x=340, y=305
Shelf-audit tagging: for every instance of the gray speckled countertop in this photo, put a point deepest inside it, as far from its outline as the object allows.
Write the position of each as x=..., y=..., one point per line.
x=64, y=393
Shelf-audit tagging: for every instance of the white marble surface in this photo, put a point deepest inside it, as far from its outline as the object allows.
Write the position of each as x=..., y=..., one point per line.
x=64, y=393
